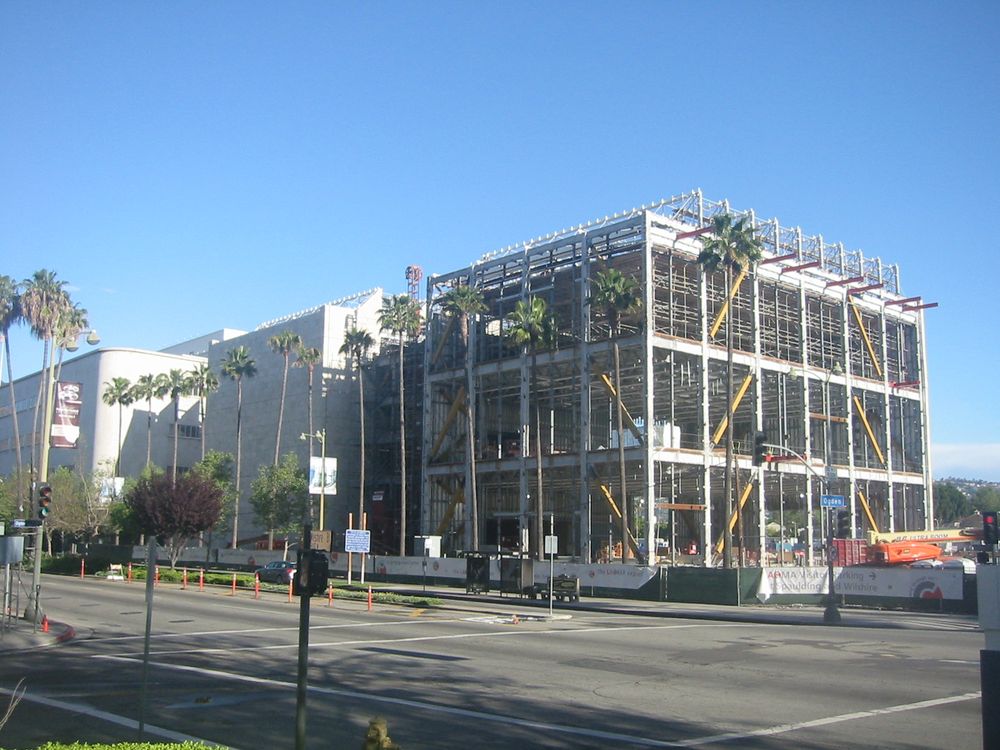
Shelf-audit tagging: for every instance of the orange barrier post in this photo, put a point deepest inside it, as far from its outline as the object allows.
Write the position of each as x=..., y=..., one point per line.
x=256, y=586
x=45, y=623
x=329, y=593
x=156, y=579
x=369, y=598
x=82, y=565
x=289, y=591
x=201, y=579
x=130, y=572
x=184, y=580
x=234, y=585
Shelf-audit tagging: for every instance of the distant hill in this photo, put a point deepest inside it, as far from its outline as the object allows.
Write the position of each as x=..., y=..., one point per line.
x=969, y=486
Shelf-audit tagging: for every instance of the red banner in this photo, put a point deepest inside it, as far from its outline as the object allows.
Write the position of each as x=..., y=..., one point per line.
x=66, y=418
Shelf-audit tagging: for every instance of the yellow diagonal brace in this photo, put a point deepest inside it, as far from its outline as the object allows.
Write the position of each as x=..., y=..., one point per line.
x=868, y=429
x=725, y=306
x=732, y=519
x=625, y=413
x=618, y=514
x=736, y=405
x=456, y=406
x=457, y=498
x=868, y=341
x=868, y=511
x=445, y=335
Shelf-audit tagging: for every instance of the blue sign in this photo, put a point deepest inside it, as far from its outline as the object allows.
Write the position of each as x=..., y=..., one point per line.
x=832, y=501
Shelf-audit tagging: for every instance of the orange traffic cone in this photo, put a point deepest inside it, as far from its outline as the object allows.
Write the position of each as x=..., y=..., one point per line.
x=45, y=623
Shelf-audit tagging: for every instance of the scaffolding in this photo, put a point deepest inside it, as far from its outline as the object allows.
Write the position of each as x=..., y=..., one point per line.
x=829, y=363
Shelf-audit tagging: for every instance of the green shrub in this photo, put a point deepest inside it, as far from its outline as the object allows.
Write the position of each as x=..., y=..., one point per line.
x=127, y=746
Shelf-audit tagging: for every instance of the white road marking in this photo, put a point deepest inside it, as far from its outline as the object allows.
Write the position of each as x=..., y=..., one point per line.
x=561, y=729
x=123, y=721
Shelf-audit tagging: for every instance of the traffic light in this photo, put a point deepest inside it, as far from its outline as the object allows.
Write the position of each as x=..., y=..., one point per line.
x=759, y=451
x=843, y=524
x=311, y=574
x=990, y=531
x=44, y=500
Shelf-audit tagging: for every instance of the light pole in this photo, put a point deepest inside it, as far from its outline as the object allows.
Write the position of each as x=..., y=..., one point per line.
x=321, y=436
x=34, y=610
x=831, y=614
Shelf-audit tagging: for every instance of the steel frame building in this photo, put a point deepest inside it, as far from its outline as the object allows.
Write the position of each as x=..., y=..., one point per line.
x=830, y=364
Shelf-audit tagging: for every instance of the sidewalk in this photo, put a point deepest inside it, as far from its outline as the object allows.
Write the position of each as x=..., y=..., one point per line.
x=23, y=635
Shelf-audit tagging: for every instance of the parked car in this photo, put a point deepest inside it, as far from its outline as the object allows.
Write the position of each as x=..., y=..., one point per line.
x=280, y=571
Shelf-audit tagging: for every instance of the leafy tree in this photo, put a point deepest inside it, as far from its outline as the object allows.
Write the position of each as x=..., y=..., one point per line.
x=284, y=343
x=401, y=315
x=279, y=495
x=986, y=498
x=118, y=393
x=950, y=503
x=732, y=247
x=531, y=326
x=145, y=389
x=618, y=295
x=175, y=510
x=236, y=366
x=201, y=382
x=464, y=303
x=8, y=501
x=356, y=344
x=68, y=512
x=219, y=467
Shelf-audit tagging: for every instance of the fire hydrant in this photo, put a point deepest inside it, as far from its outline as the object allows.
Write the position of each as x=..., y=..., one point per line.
x=377, y=736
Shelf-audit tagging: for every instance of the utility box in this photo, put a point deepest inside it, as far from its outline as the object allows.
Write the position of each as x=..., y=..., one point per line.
x=427, y=546
x=477, y=573
x=517, y=576
x=850, y=551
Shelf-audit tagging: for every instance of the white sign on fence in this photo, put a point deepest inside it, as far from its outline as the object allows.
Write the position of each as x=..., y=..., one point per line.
x=356, y=540
x=903, y=583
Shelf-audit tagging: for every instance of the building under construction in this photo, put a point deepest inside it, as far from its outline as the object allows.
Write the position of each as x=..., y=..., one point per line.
x=829, y=375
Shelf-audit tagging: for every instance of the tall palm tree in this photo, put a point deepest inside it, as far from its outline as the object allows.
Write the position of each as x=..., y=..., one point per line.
x=202, y=382
x=466, y=302
x=43, y=300
x=10, y=313
x=173, y=384
x=238, y=365
x=283, y=343
x=118, y=393
x=618, y=295
x=356, y=344
x=145, y=389
x=531, y=327
x=731, y=246
x=308, y=357
x=401, y=315
x=72, y=322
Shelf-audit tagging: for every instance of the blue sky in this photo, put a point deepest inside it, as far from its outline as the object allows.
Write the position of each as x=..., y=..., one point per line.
x=191, y=166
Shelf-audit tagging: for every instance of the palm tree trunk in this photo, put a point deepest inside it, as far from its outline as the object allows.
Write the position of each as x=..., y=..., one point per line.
x=727, y=558
x=402, y=457
x=177, y=409
x=473, y=493
x=202, y=406
x=626, y=550
x=361, y=456
x=118, y=459
x=281, y=412
x=149, y=431
x=539, y=504
x=42, y=390
x=239, y=440
x=13, y=412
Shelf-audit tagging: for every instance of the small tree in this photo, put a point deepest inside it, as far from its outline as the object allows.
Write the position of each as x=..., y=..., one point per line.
x=219, y=467
x=175, y=510
x=278, y=496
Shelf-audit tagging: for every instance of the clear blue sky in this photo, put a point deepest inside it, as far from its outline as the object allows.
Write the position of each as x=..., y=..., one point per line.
x=191, y=166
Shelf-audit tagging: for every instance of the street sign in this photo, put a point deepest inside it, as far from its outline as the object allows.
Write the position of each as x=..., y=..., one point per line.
x=551, y=545
x=26, y=523
x=356, y=540
x=832, y=501
x=321, y=540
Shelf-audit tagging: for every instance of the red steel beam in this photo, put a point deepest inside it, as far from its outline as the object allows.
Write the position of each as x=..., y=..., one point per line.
x=921, y=307
x=906, y=301
x=861, y=289
x=844, y=282
x=778, y=259
x=694, y=233
x=800, y=267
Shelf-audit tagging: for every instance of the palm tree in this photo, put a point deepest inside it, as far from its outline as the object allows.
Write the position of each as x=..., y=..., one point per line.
x=466, y=302
x=731, y=246
x=173, y=384
x=356, y=344
x=618, y=295
x=236, y=366
x=202, y=381
x=283, y=343
x=531, y=327
x=43, y=300
x=72, y=322
x=308, y=357
x=118, y=393
x=10, y=313
x=144, y=390
x=401, y=315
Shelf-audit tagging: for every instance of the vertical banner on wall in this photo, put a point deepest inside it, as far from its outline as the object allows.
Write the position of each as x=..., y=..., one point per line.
x=322, y=478
x=66, y=418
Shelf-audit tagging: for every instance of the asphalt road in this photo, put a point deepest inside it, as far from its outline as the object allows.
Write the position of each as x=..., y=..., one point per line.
x=223, y=669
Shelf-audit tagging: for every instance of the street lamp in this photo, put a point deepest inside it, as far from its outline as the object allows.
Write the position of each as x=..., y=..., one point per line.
x=831, y=614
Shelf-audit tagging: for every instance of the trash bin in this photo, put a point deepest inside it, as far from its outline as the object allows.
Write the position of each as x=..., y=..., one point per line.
x=517, y=576
x=477, y=573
